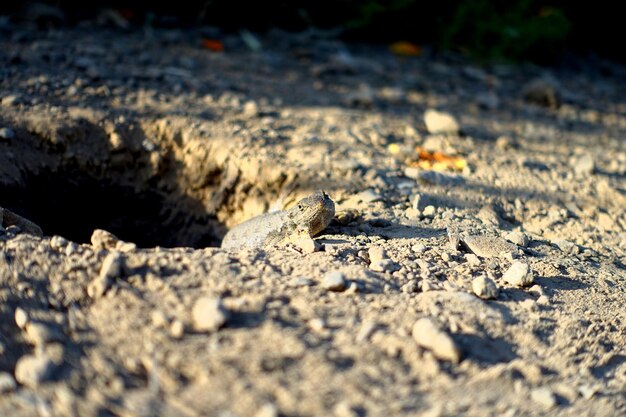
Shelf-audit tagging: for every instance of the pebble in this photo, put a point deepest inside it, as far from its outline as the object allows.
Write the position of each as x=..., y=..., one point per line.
x=7, y=383
x=334, y=281
x=583, y=165
x=250, y=109
x=209, y=314
x=102, y=239
x=429, y=211
x=21, y=318
x=31, y=370
x=488, y=246
x=110, y=270
x=318, y=325
x=177, y=329
x=544, y=396
x=377, y=253
x=517, y=237
x=58, y=242
x=440, y=123
x=379, y=260
x=366, y=330
x=344, y=409
x=519, y=274
x=472, y=259
x=267, y=410
x=6, y=133
x=307, y=245
x=429, y=336
x=485, y=288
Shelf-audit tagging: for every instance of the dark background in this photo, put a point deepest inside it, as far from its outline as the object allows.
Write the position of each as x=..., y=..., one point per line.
x=500, y=30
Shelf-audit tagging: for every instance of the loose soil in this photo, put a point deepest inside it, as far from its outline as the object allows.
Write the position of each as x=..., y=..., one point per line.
x=165, y=144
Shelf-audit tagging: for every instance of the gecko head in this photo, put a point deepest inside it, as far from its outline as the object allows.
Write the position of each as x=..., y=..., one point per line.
x=316, y=211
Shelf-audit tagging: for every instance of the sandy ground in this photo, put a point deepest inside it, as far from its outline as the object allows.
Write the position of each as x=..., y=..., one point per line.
x=166, y=145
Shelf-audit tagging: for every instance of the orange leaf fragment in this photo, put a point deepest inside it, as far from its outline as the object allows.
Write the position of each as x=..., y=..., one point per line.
x=213, y=45
x=404, y=48
x=437, y=161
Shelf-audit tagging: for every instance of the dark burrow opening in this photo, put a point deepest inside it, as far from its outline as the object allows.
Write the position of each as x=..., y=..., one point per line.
x=72, y=203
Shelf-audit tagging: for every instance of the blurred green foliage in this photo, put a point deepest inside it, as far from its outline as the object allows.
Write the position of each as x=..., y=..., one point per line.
x=509, y=30
x=501, y=30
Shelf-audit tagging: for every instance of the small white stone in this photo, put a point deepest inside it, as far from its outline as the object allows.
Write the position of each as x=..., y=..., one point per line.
x=58, y=242
x=440, y=123
x=517, y=237
x=485, y=288
x=385, y=265
x=519, y=274
x=429, y=211
x=334, y=281
x=209, y=314
x=21, y=318
x=429, y=336
x=377, y=253
x=102, y=239
x=31, y=370
x=177, y=329
x=267, y=410
x=544, y=396
x=307, y=245
x=317, y=324
x=110, y=270
x=472, y=259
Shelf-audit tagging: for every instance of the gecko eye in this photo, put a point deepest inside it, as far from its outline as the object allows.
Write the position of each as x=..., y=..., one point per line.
x=300, y=206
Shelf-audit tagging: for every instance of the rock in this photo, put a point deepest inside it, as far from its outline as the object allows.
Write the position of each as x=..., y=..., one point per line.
x=440, y=123
x=307, y=245
x=544, y=396
x=344, y=409
x=31, y=370
x=518, y=238
x=366, y=330
x=6, y=133
x=125, y=247
x=177, y=329
x=385, y=265
x=429, y=211
x=485, y=288
x=110, y=270
x=379, y=260
x=21, y=318
x=583, y=165
x=472, y=259
x=377, y=253
x=488, y=246
x=489, y=216
x=429, y=336
x=101, y=239
x=251, y=109
x=267, y=410
x=7, y=383
x=541, y=92
x=334, y=281
x=519, y=274
x=209, y=314
x=58, y=242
